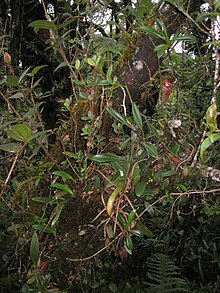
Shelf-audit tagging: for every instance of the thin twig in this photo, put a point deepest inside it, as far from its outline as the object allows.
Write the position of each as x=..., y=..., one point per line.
x=10, y=105
x=11, y=169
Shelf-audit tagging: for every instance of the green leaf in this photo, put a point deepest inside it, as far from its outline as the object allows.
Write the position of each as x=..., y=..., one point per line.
x=131, y=217
x=136, y=233
x=152, y=129
x=122, y=220
x=63, y=187
x=34, y=249
x=12, y=80
x=109, y=72
x=77, y=64
x=211, y=117
x=144, y=230
x=61, y=65
x=104, y=158
x=152, y=32
x=112, y=197
x=43, y=24
x=137, y=116
x=10, y=147
x=45, y=229
x=42, y=199
x=36, y=69
x=140, y=188
x=24, y=73
x=186, y=38
x=91, y=62
x=117, y=116
x=128, y=244
x=20, y=132
x=208, y=142
x=160, y=49
x=151, y=148
x=63, y=174
x=56, y=217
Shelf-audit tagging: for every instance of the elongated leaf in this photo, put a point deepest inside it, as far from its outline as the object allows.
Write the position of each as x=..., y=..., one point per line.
x=63, y=187
x=32, y=110
x=104, y=158
x=208, y=142
x=91, y=62
x=128, y=244
x=36, y=69
x=112, y=197
x=117, y=116
x=151, y=148
x=34, y=248
x=137, y=116
x=187, y=38
x=122, y=220
x=63, y=174
x=109, y=72
x=144, y=230
x=152, y=32
x=77, y=64
x=43, y=24
x=56, y=217
x=20, y=132
x=10, y=147
x=24, y=73
x=41, y=199
x=136, y=233
x=131, y=217
x=45, y=229
x=61, y=65
x=211, y=117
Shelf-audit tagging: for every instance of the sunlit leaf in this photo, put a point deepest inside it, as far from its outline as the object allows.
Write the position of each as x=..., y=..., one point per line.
x=34, y=248
x=91, y=62
x=112, y=197
x=211, y=117
x=20, y=132
x=77, y=64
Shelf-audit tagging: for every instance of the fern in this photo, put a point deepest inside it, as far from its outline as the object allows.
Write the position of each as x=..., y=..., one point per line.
x=164, y=276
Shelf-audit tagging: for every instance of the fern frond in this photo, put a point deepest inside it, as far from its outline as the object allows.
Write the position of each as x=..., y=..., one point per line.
x=164, y=276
